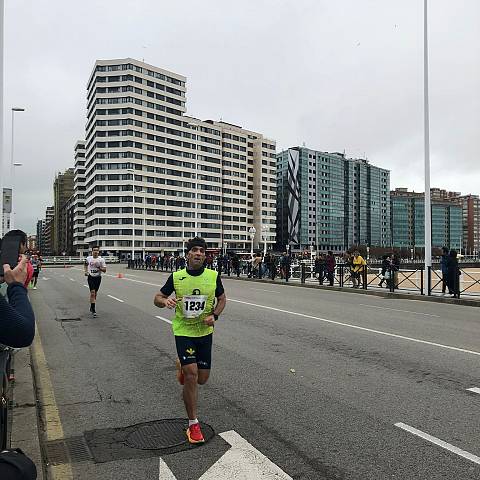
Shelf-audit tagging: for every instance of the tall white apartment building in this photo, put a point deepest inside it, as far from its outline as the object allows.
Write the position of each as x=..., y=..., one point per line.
x=184, y=176
x=79, y=245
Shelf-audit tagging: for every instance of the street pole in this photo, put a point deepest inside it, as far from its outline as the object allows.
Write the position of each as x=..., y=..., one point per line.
x=133, y=216
x=2, y=149
x=196, y=196
x=12, y=167
x=428, y=216
x=144, y=220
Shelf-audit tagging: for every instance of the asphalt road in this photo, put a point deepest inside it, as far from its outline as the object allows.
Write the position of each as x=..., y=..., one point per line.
x=325, y=384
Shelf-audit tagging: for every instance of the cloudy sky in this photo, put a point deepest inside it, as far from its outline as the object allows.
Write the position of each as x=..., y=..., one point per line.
x=335, y=75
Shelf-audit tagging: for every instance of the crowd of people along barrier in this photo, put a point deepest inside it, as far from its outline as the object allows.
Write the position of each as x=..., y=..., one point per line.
x=350, y=270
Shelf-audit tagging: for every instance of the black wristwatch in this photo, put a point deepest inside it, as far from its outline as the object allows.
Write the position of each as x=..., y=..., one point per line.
x=215, y=316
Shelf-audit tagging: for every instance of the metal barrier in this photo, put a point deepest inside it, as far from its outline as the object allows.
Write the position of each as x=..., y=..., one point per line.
x=414, y=280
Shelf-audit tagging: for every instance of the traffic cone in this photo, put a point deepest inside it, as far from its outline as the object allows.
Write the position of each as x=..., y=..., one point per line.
x=120, y=275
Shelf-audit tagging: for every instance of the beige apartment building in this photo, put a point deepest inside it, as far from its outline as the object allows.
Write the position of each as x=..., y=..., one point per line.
x=155, y=177
x=79, y=245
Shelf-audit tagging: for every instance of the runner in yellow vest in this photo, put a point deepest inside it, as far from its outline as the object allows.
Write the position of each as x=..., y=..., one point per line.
x=196, y=311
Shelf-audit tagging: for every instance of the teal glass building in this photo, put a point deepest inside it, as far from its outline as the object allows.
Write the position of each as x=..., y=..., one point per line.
x=408, y=221
x=330, y=201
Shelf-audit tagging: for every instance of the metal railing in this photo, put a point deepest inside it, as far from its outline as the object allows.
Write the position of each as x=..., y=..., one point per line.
x=68, y=260
x=372, y=277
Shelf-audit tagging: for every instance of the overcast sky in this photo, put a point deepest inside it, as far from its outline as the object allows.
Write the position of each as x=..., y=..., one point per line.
x=335, y=75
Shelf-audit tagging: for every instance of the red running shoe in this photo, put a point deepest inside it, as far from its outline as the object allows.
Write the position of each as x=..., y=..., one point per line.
x=194, y=434
x=180, y=376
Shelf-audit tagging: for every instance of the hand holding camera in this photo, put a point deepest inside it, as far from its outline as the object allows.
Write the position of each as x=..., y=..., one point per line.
x=18, y=274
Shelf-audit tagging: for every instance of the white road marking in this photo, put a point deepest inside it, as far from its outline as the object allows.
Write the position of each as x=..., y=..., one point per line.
x=164, y=319
x=440, y=443
x=379, y=332
x=474, y=390
x=165, y=472
x=265, y=290
x=398, y=310
x=72, y=279
x=86, y=286
x=115, y=298
x=241, y=462
x=45, y=278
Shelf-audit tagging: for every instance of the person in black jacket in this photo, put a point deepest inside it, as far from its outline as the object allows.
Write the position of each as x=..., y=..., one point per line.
x=453, y=274
x=17, y=320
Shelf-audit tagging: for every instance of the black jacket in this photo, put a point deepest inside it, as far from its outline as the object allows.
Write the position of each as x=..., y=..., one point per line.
x=17, y=321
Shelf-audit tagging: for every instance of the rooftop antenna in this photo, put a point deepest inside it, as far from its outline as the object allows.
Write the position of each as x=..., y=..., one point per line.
x=144, y=47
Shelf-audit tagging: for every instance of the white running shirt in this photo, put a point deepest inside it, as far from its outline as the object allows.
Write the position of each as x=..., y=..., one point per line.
x=94, y=264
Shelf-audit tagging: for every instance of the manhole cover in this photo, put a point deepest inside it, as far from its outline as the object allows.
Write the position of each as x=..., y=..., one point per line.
x=163, y=434
x=76, y=319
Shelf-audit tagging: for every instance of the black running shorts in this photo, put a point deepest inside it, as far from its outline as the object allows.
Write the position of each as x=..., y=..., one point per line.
x=94, y=283
x=195, y=350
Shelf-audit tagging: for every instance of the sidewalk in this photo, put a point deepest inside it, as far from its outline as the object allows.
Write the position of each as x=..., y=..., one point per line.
x=25, y=425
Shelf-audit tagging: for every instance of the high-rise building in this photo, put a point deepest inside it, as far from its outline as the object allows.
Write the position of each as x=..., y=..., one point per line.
x=40, y=235
x=79, y=245
x=6, y=210
x=183, y=176
x=45, y=246
x=62, y=191
x=471, y=223
x=32, y=244
x=330, y=201
x=408, y=219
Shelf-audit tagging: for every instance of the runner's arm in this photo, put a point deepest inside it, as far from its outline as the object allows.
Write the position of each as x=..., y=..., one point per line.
x=221, y=302
x=162, y=298
x=103, y=267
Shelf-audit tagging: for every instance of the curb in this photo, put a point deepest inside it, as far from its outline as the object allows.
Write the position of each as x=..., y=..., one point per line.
x=24, y=411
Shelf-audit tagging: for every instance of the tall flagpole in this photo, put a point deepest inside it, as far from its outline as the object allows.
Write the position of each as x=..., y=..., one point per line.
x=428, y=212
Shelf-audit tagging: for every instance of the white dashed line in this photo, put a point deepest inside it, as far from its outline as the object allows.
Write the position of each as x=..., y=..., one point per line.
x=86, y=286
x=440, y=443
x=115, y=298
x=72, y=279
x=378, y=332
x=164, y=319
x=398, y=310
x=474, y=389
x=264, y=290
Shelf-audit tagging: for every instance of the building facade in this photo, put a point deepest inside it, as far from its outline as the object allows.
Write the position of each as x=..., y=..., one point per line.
x=155, y=177
x=79, y=246
x=471, y=224
x=408, y=219
x=330, y=201
x=6, y=210
x=62, y=191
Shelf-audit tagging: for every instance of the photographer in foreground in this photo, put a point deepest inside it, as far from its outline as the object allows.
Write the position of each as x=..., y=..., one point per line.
x=17, y=321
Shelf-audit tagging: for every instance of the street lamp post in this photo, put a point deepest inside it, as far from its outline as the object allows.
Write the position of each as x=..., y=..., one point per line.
x=132, y=171
x=13, y=164
x=251, y=232
x=264, y=236
x=428, y=213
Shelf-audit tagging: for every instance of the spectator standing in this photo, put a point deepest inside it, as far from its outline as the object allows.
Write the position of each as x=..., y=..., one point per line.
x=444, y=268
x=330, y=267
